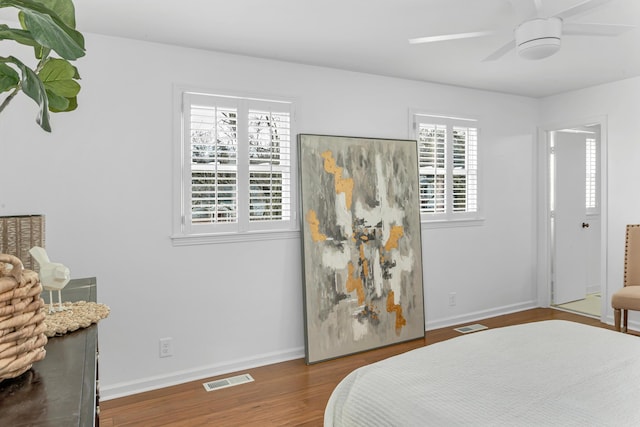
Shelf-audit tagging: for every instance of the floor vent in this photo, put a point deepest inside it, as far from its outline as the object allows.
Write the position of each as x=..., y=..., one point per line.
x=228, y=382
x=470, y=328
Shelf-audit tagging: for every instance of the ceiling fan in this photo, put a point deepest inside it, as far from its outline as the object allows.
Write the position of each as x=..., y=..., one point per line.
x=537, y=36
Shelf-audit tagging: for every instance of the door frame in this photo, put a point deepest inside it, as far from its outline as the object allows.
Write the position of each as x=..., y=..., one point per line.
x=543, y=230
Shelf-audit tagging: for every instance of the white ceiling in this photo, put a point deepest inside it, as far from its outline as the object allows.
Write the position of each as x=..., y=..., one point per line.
x=371, y=36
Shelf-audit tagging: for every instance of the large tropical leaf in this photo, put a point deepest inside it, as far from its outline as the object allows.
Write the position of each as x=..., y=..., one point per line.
x=46, y=25
x=49, y=29
x=66, y=88
x=58, y=77
x=34, y=89
x=9, y=78
x=64, y=9
x=73, y=104
x=20, y=36
x=46, y=32
x=57, y=103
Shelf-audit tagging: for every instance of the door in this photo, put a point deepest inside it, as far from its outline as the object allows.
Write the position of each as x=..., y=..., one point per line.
x=570, y=224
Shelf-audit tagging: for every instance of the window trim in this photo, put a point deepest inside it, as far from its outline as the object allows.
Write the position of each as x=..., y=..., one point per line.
x=451, y=218
x=185, y=234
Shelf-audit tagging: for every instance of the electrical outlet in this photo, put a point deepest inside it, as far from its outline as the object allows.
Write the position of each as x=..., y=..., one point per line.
x=166, y=347
x=452, y=299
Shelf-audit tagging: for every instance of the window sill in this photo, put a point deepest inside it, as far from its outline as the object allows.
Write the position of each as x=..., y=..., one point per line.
x=206, y=239
x=450, y=223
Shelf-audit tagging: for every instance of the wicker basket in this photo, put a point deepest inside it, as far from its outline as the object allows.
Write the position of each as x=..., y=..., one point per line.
x=22, y=316
x=20, y=233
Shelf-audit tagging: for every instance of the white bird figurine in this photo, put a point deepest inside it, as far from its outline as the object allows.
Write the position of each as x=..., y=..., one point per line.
x=53, y=275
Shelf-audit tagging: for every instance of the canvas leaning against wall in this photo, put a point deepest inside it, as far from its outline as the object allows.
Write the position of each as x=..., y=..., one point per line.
x=361, y=243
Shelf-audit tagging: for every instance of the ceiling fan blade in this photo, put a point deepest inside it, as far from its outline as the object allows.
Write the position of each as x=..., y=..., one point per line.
x=576, y=29
x=538, y=5
x=526, y=9
x=446, y=37
x=580, y=8
x=501, y=51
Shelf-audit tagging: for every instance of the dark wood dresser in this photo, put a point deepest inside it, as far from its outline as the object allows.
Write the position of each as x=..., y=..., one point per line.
x=60, y=390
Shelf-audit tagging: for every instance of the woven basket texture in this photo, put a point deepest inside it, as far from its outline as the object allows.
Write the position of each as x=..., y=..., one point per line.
x=22, y=316
x=20, y=233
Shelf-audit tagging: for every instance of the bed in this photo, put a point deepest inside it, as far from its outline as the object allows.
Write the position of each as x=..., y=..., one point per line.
x=548, y=373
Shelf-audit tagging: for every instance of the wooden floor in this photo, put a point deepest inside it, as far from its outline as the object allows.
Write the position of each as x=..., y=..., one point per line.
x=288, y=393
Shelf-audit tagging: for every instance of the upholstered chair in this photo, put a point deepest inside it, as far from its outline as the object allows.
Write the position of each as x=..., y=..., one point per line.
x=628, y=298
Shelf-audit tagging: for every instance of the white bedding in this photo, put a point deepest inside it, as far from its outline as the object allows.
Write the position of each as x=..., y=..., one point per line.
x=550, y=373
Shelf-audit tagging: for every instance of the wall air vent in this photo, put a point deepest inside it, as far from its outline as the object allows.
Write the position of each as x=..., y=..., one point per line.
x=227, y=382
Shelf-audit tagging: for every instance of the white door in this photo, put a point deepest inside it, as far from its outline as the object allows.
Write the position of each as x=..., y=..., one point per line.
x=570, y=225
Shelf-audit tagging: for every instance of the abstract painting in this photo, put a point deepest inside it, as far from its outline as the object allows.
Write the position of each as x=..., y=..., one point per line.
x=361, y=244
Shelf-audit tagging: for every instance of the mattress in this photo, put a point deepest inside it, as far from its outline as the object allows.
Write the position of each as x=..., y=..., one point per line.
x=548, y=373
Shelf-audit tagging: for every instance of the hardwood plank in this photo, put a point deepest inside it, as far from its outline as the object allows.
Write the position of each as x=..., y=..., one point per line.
x=288, y=393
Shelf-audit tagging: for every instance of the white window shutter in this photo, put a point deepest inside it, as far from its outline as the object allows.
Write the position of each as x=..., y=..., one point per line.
x=213, y=132
x=448, y=167
x=431, y=161
x=236, y=165
x=465, y=169
x=591, y=175
x=269, y=165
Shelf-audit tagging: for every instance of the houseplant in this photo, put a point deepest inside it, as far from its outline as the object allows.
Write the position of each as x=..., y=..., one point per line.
x=48, y=26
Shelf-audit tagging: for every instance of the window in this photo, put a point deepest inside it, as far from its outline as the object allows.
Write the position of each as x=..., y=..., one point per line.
x=591, y=200
x=448, y=165
x=236, y=165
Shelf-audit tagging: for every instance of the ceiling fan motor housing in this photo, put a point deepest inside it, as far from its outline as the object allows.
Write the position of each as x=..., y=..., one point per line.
x=538, y=38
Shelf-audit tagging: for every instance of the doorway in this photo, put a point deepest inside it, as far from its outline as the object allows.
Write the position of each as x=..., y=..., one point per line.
x=575, y=220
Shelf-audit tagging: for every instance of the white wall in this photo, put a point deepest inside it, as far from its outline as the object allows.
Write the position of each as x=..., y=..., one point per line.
x=103, y=180
x=620, y=104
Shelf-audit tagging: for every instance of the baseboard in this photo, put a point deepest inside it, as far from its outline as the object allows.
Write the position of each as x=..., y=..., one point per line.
x=479, y=315
x=593, y=289
x=123, y=389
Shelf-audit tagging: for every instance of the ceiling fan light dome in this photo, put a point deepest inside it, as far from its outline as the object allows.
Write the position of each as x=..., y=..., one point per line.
x=538, y=38
x=539, y=49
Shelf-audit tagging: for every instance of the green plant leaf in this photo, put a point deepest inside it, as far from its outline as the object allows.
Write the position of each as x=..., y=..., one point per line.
x=41, y=51
x=9, y=78
x=57, y=69
x=64, y=9
x=58, y=77
x=38, y=50
x=20, y=36
x=34, y=89
x=48, y=34
x=66, y=88
x=23, y=37
x=71, y=104
x=48, y=29
x=47, y=25
x=57, y=103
